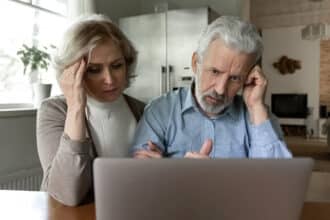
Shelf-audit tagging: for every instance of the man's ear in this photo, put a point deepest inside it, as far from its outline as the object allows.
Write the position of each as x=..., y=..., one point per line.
x=194, y=61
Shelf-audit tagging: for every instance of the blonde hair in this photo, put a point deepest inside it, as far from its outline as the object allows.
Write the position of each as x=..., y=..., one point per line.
x=87, y=32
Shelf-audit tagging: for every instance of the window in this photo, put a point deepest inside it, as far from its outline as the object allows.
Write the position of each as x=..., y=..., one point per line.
x=32, y=22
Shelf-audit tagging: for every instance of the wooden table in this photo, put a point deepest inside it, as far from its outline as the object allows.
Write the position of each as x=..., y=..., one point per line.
x=31, y=205
x=21, y=205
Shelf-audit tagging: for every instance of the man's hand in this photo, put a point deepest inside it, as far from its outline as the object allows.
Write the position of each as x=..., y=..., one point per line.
x=152, y=152
x=254, y=95
x=203, y=153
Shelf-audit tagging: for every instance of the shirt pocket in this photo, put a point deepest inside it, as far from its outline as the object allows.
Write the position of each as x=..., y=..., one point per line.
x=231, y=150
x=237, y=150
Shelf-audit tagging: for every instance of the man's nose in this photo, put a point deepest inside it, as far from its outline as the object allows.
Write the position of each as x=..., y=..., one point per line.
x=221, y=84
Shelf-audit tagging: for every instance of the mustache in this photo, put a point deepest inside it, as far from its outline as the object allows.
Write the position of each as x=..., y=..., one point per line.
x=215, y=95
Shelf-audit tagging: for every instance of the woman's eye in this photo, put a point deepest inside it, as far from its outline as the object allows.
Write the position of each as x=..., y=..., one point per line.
x=117, y=65
x=93, y=70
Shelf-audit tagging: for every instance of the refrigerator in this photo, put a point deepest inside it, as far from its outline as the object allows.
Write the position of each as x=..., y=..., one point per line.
x=165, y=42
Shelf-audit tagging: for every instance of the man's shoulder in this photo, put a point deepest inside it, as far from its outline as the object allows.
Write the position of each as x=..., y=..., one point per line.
x=169, y=99
x=239, y=107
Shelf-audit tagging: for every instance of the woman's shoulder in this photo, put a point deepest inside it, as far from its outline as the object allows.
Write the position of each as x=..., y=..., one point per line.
x=133, y=100
x=54, y=103
x=135, y=105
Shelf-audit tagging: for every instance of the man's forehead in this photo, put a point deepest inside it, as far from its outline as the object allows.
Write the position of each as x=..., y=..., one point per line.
x=223, y=62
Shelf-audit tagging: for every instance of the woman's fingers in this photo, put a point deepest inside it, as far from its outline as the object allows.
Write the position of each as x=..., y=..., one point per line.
x=79, y=74
x=72, y=83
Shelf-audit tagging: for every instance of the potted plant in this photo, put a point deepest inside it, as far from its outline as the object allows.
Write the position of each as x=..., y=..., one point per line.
x=35, y=61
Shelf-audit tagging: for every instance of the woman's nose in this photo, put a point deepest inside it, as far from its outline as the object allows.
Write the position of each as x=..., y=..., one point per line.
x=107, y=76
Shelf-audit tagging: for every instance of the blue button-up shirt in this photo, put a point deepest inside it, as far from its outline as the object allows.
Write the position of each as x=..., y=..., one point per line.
x=176, y=125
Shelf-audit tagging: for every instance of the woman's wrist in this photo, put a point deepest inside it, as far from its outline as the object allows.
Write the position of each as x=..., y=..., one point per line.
x=75, y=126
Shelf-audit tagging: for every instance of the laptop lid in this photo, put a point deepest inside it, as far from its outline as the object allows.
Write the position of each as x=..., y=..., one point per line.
x=227, y=189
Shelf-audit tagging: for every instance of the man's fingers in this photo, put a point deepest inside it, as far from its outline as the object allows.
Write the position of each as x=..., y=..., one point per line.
x=256, y=76
x=154, y=147
x=195, y=155
x=140, y=156
x=203, y=153
x=146, y=154
x=206, y=148
x=189, y=155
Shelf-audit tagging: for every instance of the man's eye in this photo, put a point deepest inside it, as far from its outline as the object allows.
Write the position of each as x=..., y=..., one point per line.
x=93, y=70
x=235, y=78
x=215, y=72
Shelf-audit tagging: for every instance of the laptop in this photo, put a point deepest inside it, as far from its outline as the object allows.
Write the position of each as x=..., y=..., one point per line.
x=191, y=189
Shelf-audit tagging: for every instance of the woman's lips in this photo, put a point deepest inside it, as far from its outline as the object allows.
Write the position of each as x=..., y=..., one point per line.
x=110, y=90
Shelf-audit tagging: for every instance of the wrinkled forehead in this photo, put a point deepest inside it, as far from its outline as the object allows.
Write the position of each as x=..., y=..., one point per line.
x=106, y=52
x=225, y=58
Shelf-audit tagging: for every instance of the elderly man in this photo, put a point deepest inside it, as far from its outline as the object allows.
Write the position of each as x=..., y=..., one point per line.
x=210, y=119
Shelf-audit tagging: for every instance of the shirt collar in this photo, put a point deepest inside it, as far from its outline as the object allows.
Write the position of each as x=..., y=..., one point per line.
x=233, y=109
x=190, y=103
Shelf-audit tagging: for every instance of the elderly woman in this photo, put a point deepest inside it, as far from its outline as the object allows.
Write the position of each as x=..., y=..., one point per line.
x=93, y=117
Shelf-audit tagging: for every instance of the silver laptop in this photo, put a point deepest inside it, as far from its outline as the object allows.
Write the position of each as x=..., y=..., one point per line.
x=191, y=189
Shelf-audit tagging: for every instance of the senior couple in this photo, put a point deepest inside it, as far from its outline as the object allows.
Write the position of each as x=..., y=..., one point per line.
x=94, y=118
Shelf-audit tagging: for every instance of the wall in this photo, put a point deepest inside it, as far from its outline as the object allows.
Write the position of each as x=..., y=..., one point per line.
x=288, y=13
x=287, y=41
x=325, y=73
x=18, y=148
x=117, y=9
x=231, y=7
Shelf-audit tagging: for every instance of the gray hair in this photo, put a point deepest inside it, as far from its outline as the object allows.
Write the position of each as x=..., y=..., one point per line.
x=235, y=33
x=85, y=34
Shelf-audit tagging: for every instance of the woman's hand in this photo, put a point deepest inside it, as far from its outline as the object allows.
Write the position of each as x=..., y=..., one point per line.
x=72, y=85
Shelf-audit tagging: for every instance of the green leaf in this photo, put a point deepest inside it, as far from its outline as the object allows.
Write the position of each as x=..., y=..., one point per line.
x=33, y=57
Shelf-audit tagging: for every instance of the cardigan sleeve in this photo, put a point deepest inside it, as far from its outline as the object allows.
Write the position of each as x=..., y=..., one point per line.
x=66, y=164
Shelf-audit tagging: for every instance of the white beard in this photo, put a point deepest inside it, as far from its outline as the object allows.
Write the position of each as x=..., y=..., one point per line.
x=224, y=102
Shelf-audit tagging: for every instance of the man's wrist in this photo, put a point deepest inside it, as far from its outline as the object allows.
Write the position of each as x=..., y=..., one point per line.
x=258, y=114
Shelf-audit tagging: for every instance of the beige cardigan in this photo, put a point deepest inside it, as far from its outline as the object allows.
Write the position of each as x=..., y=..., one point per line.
x=67, y=164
